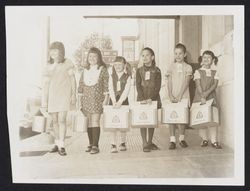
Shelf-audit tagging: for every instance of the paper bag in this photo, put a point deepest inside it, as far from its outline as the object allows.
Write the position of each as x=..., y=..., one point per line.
x=81, y=122
x=116, y=118
x=144, y=115
x=204, y=115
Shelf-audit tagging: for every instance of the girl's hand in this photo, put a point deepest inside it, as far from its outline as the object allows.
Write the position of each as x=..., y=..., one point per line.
x=203, y=101
x=149, y=101
x=179, y=98
x=173, y=99
x=204, y=95
x=117, y=105
x=143, y=102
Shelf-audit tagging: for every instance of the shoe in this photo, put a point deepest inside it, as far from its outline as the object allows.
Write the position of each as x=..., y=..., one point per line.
x=88, y=149
x=94, y=150
x=204, y=143
x=153, y=146
x=122, y=147
x=146, y=148
x=172, y=146
x=216, y=145
x=183, y=144
x=62, y=151
x=54, y=149
x=113, y=149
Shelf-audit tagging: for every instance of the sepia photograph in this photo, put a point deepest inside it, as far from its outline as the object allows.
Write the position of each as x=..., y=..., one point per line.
x=126, y=94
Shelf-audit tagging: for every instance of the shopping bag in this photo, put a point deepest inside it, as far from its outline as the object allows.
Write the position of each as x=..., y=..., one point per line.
x=116, y=118
x=175, y=113
x=144, y=115
x=204, y=115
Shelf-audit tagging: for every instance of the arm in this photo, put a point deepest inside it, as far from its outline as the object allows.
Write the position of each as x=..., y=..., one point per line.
x=211, y=89
x=125, y=91
x=184, y=87
x=169, y=87
x=105, y=80
x=111, y=90
x=157, y=85
x=139, y=86
x=80, y=87
x=45, y=88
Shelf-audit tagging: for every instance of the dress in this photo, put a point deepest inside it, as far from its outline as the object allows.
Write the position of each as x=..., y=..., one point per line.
x=60, y=86
x=206, y=77
x=93, y=95
x=178, y=72
x=148, y=84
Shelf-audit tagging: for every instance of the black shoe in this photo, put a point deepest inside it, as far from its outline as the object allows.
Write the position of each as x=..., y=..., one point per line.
x=172, y=146
x=146, y=149
x=204, y=143
x=88, y=149
x=153, y=146
x=216, y=145
x=183, y=144
x=62, y=151
x=54, y=149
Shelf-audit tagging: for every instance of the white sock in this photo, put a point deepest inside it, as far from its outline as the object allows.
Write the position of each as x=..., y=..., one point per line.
x=57, y=142
x=181, y=137
x=172, y=139
x=61, y=144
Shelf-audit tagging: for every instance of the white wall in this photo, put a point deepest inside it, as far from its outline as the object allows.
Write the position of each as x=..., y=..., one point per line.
x=217, y=35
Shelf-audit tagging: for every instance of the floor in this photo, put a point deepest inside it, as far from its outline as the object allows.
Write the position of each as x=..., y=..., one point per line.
x=192, y=162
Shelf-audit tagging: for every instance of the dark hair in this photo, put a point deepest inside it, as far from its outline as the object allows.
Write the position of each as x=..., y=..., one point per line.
x=59, y=46
x=208, y=52
x=151, y=52
x=100, y=62
x=127, y=65
x=181, y=46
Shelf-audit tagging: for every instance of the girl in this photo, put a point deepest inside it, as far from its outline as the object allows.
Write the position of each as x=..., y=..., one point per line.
x=60, y=92
x=206, y=81
x=119, y=86
x=148, y=85
x=178, y=76
x=93, y=86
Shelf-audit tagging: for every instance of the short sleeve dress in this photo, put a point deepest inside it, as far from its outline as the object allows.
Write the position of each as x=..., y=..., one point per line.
x=60, y=86
x=207, y=78
x=178, y=72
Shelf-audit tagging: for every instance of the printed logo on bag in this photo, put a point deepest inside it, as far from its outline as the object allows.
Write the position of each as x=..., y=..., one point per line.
x=199, y=115
x=174, y=115
x=116, y=119
x=143, y=116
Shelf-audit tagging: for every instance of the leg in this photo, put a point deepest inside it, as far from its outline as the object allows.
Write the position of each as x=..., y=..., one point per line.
x=114, y=142
x=62, y=126
x=182, y=141
x=56, y=132
x=96, y=136
x=89, y=130
x=144, y=136
x=150, y=139
x=123, y=141
x=203, y=135
x=144, y=140
x=172, y=144
x=213, y=135
x=62, y=131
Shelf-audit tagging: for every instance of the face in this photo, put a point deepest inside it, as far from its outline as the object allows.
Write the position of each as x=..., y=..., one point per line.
x=54, y=54
x=119, y=66
x=179, y=55
x=93, y=58
x=147, y=57
x=207, y=60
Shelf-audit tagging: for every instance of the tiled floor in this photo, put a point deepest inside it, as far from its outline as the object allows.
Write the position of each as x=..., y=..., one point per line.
x=191, y=162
